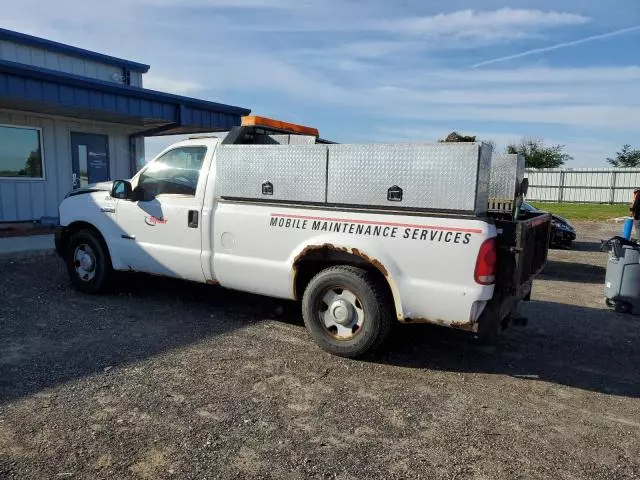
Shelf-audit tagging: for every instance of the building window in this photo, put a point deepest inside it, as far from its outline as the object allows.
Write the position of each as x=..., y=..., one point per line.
x=20, y=152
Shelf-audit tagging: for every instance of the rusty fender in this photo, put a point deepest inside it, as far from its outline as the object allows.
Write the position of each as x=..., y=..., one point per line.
x=353, y=251
x=465, y=326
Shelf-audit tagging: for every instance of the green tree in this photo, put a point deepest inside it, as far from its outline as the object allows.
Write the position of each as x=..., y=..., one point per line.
x=539, y=155
x=33, y=165
x=626, y=158
x=455, y=137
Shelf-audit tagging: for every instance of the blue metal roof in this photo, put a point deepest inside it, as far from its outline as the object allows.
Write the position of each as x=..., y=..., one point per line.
x=26, y=87
x=25, y=39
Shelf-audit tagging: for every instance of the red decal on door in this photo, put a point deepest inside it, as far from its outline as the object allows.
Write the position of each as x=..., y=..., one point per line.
x=153, y=221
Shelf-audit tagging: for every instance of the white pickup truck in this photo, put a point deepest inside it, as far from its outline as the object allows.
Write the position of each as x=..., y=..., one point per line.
x=362, y=235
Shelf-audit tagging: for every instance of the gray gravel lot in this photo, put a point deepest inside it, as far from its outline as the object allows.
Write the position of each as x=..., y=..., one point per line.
x=165, y=379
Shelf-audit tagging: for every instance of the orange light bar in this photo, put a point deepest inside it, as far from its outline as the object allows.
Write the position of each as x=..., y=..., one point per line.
x=254, y=120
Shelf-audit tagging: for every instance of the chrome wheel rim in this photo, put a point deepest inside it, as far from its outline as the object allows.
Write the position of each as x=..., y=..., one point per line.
x=84, y=262
x=341, y=313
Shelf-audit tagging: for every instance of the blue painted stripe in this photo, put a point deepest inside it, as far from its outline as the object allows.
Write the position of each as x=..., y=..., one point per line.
x=57, y=47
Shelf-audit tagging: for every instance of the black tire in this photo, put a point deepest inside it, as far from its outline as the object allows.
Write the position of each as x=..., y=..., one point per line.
x=97, y=278
x=623, y=307
x=375, y=305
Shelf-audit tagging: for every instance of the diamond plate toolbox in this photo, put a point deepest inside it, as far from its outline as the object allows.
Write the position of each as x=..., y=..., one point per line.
x=440, y=176
x=296, y=173
x=507, y=173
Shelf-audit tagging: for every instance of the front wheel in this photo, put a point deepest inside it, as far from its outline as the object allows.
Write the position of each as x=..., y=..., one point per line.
x=88, y=262
x=623, y=307
x=346, y=311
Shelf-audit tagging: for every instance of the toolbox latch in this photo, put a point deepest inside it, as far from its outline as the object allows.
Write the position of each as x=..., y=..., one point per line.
x=394, y=194
x=267, y=188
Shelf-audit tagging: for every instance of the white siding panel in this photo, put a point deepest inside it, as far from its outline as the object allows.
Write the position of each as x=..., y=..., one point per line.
x=59, y=179
x=136, y=79
x=8, y=201
x=78, y=67
x=51, y=60
x=119, y=150
x=91, y=70
x=38, y=201
x=23, y=54
x=65, y=63
x=23, y=199
x=39, y=57
x=8, y=51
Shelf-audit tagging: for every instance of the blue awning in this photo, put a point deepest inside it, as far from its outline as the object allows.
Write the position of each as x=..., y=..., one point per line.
x=25, y=87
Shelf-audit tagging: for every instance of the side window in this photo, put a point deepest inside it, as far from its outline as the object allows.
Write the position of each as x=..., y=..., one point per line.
x=176, y=172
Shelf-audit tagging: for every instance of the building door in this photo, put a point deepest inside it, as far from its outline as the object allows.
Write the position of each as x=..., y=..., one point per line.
x=89, y=158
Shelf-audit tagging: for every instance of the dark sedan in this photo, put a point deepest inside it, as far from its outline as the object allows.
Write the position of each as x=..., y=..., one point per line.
x=562, y=232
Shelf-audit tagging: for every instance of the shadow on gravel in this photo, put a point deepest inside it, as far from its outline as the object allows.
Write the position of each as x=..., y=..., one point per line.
x=587, y=246
x=73, y=335
x=573, y=272
x=580, y=347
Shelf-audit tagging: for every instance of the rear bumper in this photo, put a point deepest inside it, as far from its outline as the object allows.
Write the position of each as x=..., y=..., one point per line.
x=563, y=236
x=60, y=239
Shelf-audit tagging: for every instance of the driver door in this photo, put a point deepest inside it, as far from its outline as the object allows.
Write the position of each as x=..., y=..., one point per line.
x=161, y=229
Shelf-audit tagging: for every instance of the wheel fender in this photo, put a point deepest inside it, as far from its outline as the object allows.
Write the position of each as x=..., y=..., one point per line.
x=84, y=223
x=365, y=251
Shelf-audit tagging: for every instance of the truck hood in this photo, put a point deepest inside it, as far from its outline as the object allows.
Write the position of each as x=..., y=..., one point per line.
x=92, y=187
x=101, y=186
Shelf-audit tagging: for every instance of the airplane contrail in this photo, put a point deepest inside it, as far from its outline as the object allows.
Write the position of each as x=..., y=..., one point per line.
x=558, y=46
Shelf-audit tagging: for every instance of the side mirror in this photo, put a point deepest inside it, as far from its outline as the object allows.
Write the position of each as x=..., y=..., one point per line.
x=121, y=189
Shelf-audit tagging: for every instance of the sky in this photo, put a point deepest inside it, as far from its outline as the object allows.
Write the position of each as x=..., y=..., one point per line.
x=380, y=70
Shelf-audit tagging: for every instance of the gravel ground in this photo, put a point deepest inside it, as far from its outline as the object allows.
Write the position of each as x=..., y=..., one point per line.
x=174, y=380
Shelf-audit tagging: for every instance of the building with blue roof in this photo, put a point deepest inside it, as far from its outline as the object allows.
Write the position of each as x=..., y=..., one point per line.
x=70, y=117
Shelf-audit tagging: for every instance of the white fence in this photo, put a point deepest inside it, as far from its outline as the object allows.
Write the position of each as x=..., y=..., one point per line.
x=586, y=185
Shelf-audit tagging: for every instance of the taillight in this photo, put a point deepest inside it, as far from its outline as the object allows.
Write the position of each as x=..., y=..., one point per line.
x=485, y=273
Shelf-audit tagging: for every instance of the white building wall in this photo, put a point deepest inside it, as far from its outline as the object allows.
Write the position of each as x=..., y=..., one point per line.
x=38, y=57
x=31, y=199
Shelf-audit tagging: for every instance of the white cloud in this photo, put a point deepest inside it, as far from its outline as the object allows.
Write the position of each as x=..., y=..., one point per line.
x=613, y=117
x=493, y=24
x=164, y=84
x=238, y=4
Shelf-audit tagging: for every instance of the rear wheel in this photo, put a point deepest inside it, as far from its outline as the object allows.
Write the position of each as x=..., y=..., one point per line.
x=88, y=262
x=346, y=311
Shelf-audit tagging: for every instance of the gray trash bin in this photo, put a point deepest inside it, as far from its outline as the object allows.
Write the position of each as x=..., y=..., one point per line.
x=622, y=282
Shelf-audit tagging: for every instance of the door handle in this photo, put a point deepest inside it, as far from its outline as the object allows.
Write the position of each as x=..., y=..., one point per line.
x=193, y=219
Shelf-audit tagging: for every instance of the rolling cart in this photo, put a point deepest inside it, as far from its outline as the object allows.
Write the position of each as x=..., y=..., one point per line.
x=622, y=281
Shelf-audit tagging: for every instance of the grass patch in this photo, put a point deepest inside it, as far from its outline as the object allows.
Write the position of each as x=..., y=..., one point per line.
x=584, y=211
